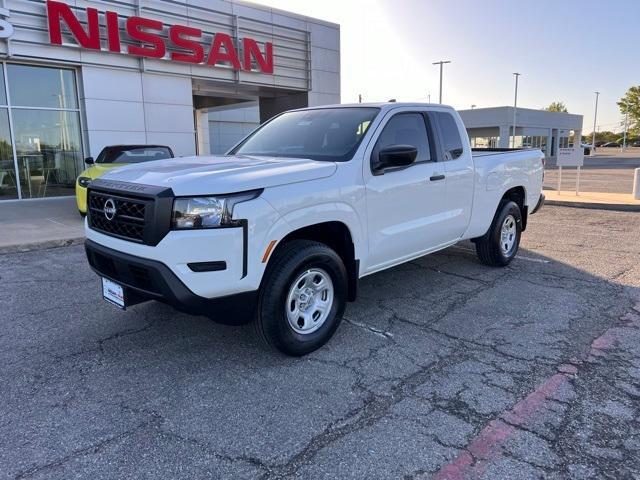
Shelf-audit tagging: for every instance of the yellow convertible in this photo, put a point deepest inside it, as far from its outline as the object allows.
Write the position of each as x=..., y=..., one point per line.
x=112, y=157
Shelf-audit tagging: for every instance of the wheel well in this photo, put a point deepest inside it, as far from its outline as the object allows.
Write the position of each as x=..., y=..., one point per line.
x=335, y=235
x=517, y=194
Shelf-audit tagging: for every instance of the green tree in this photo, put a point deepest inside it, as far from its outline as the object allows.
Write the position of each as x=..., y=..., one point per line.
x=630, y=104
x=604, y=136
x=557, y=107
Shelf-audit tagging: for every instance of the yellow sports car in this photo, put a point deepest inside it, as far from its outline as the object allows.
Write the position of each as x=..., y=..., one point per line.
x=112, y=157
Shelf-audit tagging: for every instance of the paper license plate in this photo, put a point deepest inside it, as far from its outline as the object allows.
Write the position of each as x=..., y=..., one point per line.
x=113, y=293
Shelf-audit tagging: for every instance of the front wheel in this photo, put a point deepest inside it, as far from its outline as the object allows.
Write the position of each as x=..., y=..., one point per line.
x=302, y=297
x=500, y=244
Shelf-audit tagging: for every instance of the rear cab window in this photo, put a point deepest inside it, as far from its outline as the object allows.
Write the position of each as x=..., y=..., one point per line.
x=449, y=135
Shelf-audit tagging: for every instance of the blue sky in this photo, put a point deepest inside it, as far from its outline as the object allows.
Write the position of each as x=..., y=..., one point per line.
x=565, y=50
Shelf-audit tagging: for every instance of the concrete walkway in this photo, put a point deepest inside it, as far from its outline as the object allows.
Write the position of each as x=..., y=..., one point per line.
x=601, y=200
x=43, y=223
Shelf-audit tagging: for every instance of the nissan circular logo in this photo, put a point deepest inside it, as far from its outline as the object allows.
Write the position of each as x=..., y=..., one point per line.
x=109, y=209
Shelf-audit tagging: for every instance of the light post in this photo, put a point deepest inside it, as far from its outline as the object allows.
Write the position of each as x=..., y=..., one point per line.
x=595, y=116
x=626, y=125
x=441, y=63
x=515, y=108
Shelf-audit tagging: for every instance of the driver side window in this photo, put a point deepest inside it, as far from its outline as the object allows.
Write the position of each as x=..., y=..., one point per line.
x=405, y=129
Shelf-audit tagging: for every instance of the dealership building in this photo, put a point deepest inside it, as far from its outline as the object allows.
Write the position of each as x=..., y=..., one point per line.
x=548, y=131
x=195, y=75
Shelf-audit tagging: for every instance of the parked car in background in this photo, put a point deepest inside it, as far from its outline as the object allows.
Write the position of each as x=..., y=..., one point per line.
x=611, y=145
x=636, y=143
x=599, y=144
x=587, y=148
x=112, y=157
x=280, y=230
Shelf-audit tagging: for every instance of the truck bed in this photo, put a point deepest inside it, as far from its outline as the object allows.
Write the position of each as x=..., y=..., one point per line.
x=481, y=152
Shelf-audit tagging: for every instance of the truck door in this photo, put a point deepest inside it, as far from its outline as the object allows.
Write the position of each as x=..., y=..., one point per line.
x=459, y=169
x=405, y=205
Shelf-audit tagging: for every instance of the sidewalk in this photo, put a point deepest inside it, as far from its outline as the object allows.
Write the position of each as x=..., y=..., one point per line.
x=598, y=200
x=43, y=223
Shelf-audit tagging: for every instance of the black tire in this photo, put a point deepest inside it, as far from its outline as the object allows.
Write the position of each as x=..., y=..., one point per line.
x=290, y=261
x=488, y=247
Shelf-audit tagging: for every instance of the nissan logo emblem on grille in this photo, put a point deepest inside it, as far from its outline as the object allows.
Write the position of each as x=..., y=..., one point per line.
x=109, y=209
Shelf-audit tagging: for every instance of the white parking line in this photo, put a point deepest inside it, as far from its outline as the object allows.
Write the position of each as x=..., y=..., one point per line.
x=59, y=223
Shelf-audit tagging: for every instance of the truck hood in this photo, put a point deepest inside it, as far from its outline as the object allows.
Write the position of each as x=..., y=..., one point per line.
x=205, y=175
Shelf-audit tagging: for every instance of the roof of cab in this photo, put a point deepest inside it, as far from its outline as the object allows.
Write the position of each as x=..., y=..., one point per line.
x=381, y=105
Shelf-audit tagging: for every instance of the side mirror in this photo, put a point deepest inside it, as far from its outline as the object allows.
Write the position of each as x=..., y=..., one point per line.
x=395, y=156
x=89, y=161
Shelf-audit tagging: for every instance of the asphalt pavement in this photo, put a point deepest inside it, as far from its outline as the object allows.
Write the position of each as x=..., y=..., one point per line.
x=443, y=368
x=602, y=173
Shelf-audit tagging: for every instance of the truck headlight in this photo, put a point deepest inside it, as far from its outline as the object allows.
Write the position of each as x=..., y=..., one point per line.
x=207, y=212
x=84, y=181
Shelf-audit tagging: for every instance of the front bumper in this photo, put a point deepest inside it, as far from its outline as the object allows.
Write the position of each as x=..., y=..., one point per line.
x=145, y=279
x=539, y=204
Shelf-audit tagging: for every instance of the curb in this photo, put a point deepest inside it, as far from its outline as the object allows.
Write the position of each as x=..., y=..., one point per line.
x=44, y=245
x=595, y=206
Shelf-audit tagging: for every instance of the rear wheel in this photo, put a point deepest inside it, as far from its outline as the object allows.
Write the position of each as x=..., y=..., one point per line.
x=302, y=297
x=499, y=246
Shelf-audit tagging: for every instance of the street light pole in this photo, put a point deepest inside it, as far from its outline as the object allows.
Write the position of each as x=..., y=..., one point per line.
x=595, y=116
x=515, y=107
x=626, y=125
x=441, y=63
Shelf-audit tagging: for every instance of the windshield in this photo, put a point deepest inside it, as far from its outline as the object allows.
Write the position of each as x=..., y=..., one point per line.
x=135, y=154
x=331, y=134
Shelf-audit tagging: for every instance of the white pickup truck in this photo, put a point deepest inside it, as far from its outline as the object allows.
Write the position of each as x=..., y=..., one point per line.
x=280, y=229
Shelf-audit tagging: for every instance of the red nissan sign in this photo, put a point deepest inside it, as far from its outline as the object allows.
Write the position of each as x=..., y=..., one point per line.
x=183, y=45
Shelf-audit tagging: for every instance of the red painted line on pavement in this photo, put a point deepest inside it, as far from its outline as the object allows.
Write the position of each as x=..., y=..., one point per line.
x=487, y=445
x=603, y=342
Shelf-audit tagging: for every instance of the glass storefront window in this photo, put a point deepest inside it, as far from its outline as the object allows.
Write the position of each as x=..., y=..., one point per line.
x=484, y=142
x=48, y=150
x=42, y=119
x=8, y=184
x=44, y=87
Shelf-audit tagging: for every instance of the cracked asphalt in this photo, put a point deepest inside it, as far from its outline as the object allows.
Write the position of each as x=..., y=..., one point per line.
x=442, y=369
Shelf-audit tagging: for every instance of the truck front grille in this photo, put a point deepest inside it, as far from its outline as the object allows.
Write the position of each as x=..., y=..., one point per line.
x=127, y=222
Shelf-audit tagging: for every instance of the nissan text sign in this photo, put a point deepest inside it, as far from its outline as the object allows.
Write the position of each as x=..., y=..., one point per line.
x=183, y=43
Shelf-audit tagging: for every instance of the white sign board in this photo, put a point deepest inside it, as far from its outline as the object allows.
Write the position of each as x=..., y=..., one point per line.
x=570, y=157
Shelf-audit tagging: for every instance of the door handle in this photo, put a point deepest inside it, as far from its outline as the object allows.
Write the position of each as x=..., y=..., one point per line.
x=434, y=178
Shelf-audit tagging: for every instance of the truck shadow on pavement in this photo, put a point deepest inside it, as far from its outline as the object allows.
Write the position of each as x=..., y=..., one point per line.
x=443, y=368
